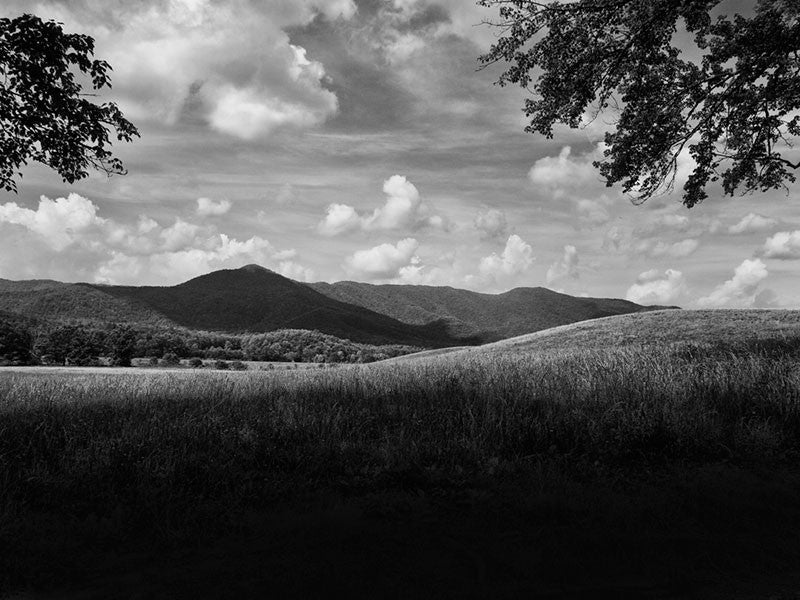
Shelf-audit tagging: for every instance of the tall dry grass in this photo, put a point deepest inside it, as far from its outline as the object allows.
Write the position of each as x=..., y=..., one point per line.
x=95, y=459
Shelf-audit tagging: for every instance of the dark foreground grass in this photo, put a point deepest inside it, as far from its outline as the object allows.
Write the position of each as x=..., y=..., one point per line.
x=628, y=473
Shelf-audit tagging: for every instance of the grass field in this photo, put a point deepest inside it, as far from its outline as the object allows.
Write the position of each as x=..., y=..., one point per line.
x=650, y=465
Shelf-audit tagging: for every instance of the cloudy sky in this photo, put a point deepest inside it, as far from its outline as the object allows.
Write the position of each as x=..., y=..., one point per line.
x=355, y=139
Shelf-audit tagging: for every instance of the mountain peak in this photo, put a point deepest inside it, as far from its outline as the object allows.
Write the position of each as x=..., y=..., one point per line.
x=254, y=268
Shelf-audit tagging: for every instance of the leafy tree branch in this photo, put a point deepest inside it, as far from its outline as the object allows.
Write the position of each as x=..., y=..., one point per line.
x=735, y=109
x=45, y=114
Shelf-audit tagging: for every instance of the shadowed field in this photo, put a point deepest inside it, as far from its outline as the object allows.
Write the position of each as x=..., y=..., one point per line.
x=646, y=467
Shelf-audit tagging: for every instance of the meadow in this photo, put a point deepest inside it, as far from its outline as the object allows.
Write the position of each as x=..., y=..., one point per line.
x=628, y=469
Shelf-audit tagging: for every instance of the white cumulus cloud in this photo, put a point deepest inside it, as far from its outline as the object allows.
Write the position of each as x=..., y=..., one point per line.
x=752, y=222
x=207, y=207
x=515, y=259
x=784, y=245
x=403, y=209
x=59, y=222
x=741, y=290
x=340, y=218
x=232, y=61
x=385, y=261
x=562, y=171
x=66, y=239
x=653, y=287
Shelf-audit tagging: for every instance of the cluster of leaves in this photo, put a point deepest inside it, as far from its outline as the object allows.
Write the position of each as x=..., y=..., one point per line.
x=80, y=344
x=735, y=110
x=44, y=114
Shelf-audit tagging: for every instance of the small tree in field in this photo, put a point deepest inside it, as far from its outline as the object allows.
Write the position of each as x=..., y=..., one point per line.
x=735, y=110
x=170, y=359
x=45, y=115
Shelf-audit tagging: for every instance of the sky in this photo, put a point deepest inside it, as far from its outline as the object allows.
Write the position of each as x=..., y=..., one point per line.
x=357, y=140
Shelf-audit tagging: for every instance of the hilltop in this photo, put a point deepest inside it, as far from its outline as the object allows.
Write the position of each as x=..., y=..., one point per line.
x=699, y=331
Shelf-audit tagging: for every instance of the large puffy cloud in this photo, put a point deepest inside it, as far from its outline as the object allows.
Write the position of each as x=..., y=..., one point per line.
x=516, y=258
x=741, y=290
x=231, y=61
x=559, y=172
x=403, y=209
x=385, y=261
x=340, y=218
x=66, y=239
x=652, y=287
x=566, y=268
x=752, y=222
x=59, y=222
x=784, y=245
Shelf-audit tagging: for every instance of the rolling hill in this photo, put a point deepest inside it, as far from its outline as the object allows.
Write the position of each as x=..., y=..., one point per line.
x=490, y=317
x=255, y=299
x=701, y=331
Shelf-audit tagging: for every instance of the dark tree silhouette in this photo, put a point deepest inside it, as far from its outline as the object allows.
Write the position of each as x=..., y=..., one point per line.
x=735, y=109
x=45, y=116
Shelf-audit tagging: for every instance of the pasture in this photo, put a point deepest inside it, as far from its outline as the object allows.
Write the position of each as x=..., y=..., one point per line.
x=621, y=470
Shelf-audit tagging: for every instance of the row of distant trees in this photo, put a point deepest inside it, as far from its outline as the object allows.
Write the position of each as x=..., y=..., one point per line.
x=81, y=344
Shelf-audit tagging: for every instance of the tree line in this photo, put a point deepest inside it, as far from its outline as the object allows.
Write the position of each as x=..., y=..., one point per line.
x=32, y=342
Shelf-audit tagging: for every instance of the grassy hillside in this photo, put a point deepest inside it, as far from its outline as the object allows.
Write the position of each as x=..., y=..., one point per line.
x=627, y=470
x=693, y=330
x=255, y=299
x=490, y=316
x=686, y=332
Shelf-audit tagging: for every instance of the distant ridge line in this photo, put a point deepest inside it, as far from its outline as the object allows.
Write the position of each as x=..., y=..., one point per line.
x=256, y=299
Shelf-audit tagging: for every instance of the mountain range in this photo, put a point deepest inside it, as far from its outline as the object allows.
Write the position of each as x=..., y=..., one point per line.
x=255, y=299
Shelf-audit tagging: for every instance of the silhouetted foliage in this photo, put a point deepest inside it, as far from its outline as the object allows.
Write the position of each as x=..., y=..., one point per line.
x=15, y=344
x=120, y=343
x=45, y=115
x=735, y=110
x=72, y=345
